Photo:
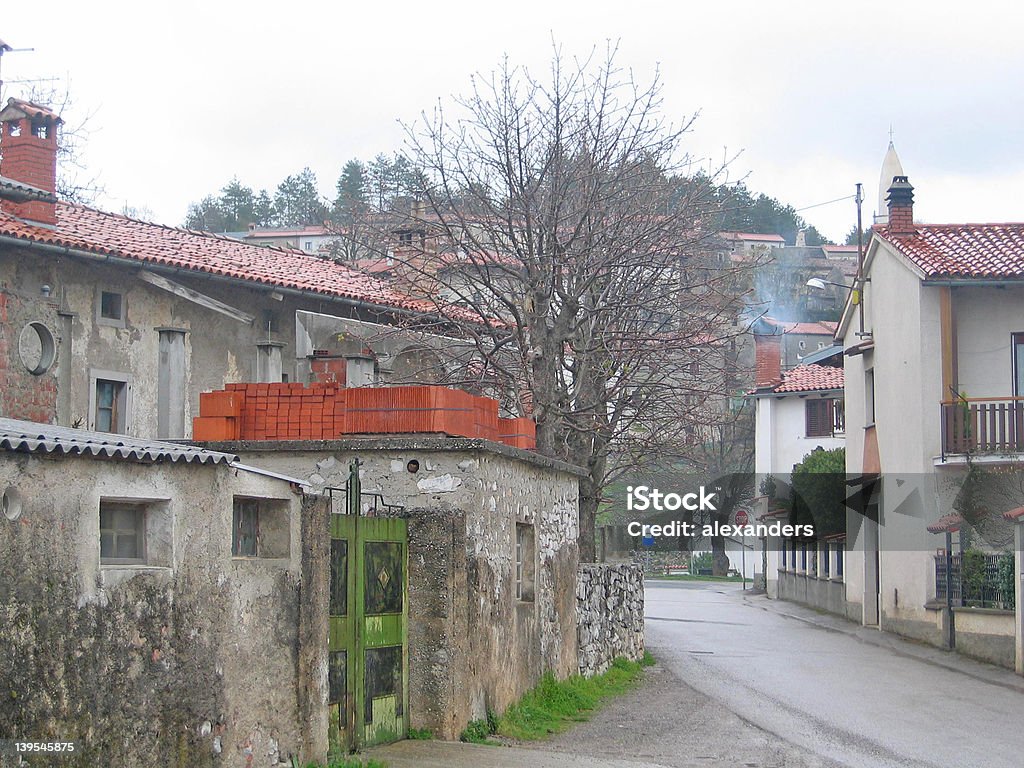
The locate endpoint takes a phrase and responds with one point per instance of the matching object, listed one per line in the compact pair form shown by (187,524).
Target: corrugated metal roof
(32,437)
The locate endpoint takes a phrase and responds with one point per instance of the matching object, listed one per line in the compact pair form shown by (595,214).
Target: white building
(797,412)
(934,346)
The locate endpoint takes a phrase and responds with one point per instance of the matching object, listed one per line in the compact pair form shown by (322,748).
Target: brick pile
(325,411)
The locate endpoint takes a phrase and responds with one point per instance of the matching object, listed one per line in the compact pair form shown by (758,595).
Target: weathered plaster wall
(474,646)
(191,661)
(218,349)
(610,615)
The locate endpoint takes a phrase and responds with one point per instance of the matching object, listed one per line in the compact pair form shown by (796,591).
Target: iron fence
(986,582)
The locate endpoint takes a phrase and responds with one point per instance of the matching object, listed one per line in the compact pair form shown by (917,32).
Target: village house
(419,571)
(117,325)
(152,601)
(933,339)
(798,411)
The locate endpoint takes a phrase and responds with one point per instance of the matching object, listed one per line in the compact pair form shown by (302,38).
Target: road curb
(950,660)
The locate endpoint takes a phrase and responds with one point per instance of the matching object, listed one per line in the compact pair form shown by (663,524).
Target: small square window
(111,306)
(245,529)
(122,533)
(260,528)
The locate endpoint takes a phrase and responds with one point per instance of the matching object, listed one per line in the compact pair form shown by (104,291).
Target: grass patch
(345,762)
(421,734)
(480,731)
(553,705)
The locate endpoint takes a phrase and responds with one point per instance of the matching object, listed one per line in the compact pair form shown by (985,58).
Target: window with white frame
(824,417)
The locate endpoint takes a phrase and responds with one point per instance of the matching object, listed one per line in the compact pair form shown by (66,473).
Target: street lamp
(818,284)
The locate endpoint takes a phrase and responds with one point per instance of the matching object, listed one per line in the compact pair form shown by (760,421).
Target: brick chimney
(901,207)
(28,155)
(767,360)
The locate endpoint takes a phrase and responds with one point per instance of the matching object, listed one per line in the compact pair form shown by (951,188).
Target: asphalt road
(828,690)
(756,683)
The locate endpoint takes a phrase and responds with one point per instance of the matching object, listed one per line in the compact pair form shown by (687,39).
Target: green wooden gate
(368,665)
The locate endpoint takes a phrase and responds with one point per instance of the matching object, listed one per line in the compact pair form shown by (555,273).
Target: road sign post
(742,518)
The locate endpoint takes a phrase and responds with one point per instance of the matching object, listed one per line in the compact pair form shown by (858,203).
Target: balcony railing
(983,425)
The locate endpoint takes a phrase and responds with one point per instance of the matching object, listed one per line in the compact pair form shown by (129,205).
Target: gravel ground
(667,722)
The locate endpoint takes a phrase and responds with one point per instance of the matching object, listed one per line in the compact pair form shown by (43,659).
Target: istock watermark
(643,498)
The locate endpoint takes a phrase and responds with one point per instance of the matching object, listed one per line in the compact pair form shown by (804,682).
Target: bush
(819,491)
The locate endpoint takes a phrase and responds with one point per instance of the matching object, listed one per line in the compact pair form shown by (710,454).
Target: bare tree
(557,212)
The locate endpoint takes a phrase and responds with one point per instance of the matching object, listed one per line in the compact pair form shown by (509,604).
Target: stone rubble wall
(609,615)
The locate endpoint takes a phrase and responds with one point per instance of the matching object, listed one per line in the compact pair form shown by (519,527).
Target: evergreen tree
(237,203)
(207,215)
(297,202)
(352,189)
(263,210)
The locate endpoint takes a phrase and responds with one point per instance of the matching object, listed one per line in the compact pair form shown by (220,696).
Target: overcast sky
(186,95)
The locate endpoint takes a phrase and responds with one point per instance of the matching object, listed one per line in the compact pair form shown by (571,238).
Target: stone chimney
(767,360)
(901,207)
(28,155)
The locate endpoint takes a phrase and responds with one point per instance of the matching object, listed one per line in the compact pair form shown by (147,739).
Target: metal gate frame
(358,639)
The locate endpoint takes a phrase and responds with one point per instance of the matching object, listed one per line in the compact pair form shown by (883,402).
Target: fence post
(951,620)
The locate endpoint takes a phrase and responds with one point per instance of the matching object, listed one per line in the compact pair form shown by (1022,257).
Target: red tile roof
(87,229)
(823,328)
(963,250)
(1014,514)
(756,237)
(950,523)
(808,378)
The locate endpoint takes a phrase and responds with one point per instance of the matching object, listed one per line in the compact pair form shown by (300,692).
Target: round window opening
(37,348)
(10,503)
(413,466)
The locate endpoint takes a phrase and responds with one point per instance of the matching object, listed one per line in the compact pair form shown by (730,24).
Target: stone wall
(474,644)
(609,614)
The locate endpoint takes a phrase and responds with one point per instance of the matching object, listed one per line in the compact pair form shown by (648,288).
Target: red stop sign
(741,517)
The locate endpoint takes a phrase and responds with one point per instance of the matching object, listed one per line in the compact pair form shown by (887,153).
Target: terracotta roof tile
(822,328)
(755,236)
(87,229)
(807,378)
(963,250)
(950,523)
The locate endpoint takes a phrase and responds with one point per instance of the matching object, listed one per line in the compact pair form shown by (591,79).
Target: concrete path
(745,681)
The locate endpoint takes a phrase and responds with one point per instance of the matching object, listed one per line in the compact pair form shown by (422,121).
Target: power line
(827,202)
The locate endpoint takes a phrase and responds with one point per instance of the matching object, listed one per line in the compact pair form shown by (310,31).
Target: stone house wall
(190,659)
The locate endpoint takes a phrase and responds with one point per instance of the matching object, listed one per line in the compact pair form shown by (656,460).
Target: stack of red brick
(326,411)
